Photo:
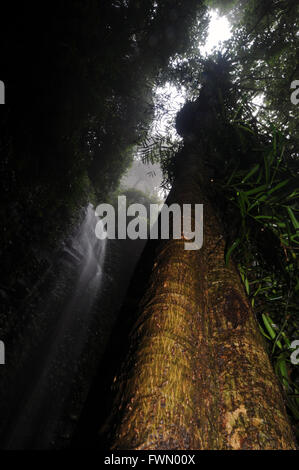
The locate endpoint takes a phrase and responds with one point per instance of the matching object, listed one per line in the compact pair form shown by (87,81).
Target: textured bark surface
(197,375)
(159,384)
(240,401)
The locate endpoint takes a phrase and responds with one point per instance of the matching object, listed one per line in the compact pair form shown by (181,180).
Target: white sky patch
(219,31)
(172,100)
(257,102)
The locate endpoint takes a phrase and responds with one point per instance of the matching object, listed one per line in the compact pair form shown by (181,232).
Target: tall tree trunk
(240,401)
(197,375)
(158,383)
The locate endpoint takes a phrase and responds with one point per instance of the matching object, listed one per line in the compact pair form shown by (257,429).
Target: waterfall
(44,377)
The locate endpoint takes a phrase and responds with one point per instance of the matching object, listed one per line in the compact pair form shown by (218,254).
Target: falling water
(45,376)
(63,332)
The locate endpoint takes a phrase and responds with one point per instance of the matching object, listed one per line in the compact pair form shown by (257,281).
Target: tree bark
(158,382)
(240,401)
(197,375)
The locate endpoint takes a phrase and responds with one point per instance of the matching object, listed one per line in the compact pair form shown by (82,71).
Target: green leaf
(247,286)
(246,129)
(278,186)
(260,189)
(242,203)
(268,324)
(293,218)
(231,249)
(263,332)
(282,368)
(251,173)
(231,176)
